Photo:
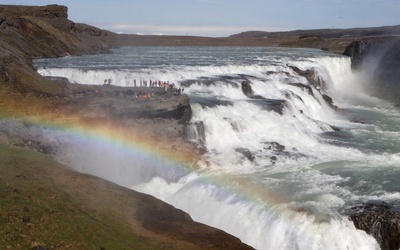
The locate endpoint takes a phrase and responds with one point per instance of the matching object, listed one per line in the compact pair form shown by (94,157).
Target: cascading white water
(279,168)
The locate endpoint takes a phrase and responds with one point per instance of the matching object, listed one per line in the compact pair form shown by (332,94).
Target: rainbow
(100,131)
(129,139)
(126,139)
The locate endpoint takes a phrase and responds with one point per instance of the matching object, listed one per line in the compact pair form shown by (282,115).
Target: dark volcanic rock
(248,91)
(379,60)
(275,105)
(304,87)
(28,32)
(359,50)
(316,81)
(246,153)
(246,88)
(312,77)
(105,101)
(267,104)
(275,146)
(49,11)
(329,100)
(45,31)
(380,220)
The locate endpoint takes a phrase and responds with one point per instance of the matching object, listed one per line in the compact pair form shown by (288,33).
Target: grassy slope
(56,217)
(45,204)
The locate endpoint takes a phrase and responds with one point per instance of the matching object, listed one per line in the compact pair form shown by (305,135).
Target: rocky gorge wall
(29,32)
(378,58)
(46,31)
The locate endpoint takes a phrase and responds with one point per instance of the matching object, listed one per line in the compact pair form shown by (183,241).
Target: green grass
(56,220)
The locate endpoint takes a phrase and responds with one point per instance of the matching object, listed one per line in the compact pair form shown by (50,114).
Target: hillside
(326,33)
(334,40)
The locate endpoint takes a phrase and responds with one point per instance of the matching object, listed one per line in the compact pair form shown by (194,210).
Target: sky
(220,18)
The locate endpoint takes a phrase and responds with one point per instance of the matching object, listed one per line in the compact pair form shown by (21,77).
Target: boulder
(380,220)
(246,153)
(329,100)
(304,87)
(246,88)
(312,77)
(248,91)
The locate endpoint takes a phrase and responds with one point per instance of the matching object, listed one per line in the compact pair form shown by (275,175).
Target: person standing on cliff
(165,87)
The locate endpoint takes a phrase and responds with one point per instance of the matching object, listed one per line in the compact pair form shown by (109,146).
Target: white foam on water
(269,177)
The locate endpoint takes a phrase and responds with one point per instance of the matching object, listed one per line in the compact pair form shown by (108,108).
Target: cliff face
(379,60)
(28,32)
(380,220)
(46,32)
(360,50)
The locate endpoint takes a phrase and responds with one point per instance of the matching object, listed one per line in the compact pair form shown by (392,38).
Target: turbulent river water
(280,166)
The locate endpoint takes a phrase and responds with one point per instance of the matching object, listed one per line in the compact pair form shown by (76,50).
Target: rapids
(280,166)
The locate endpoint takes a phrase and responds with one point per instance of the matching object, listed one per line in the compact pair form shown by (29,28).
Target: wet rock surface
(115,102)
(312,77)
(380,220)
(379,59)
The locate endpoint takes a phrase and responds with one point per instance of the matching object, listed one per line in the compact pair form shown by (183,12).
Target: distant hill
(334,40)
(325,33)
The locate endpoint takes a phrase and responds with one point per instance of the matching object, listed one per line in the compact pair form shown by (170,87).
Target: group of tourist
(142,97)
(145,96)
(144,83)
(168,87)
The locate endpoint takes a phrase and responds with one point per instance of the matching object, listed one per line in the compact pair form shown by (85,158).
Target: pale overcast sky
(217,18)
